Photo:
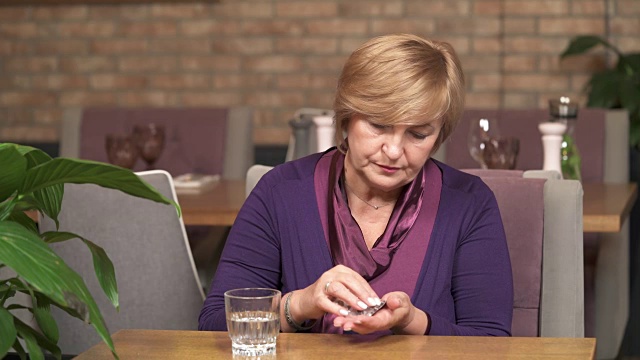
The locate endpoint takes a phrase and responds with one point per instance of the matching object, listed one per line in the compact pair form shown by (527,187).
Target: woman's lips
(388,169)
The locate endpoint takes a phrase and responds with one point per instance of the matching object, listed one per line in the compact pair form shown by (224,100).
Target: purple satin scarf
(346,242)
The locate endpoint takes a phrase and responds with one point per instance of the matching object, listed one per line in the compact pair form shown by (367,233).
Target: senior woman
(376,219)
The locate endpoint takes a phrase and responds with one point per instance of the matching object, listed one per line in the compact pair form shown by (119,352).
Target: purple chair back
(194,137)
(523,124)
(521,203)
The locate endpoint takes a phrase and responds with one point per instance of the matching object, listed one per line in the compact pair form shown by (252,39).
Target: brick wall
(278,55)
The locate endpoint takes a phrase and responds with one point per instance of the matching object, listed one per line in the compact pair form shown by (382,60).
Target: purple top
(277,241)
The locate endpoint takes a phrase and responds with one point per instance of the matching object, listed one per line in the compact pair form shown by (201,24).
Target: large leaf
(6,208)
(41,341)
(105,272)
(35,353)
(583,43)
(7,331)
(18,348)
(46,322)
(45,271)
(23,219)
(61,170)
(604,89)
(13,167)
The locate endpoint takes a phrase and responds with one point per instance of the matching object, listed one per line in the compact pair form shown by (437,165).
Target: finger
(358,286)
(338,290)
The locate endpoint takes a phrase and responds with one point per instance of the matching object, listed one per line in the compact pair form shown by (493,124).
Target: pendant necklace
(376,207)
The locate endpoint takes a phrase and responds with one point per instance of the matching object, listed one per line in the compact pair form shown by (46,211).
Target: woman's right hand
(339,282)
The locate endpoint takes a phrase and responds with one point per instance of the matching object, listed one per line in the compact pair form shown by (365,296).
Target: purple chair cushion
(521,203)
(523,124)
(194,137)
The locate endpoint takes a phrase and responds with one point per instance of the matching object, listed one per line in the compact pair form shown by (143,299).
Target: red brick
(487,45)
(60,12)
(14,13)
(241,45)
(180,81)
(246,81)
(536,7)
(273,27)
(461,44)
(534,45)
(29,134)
(47,116)
(625,26)
(274,63)
(271,135)
(83,64)
(592,62)
(482,100)
(480,62)
(59,82)
(350,44)
(180,46)
(519,26)
(336,27)
(61,47)
(371,8)
(180,11)
(437,8)
(209,27)
(13,116)
(320,99)
(117,81)
(153,29)
(627,43)
(307,45)
(23,30)
(578,82)
(520,63)
(519,101)
(129,12)
(535,82)
(119,46)
(488,7)
(242,9)
(210,63)
(332,64)
(85,99)
(10,47)
(588,7)
(310,9)
(32,98)
(31,64)
(85,29)
(265,117)
(274,99)
(571,26)
(413,26)
(484,82)
(211,98)
(148,64)
(627,7)
(146,98)
(307,81)
(15,82)
(476,25)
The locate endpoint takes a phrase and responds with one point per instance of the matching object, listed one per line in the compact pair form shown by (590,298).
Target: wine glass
(480,132)
(121,150)
(149,139)
(501,153)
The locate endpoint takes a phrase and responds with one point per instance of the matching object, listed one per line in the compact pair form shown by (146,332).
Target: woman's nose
(393,146)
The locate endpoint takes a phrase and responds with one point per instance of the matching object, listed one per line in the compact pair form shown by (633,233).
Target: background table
(171,344)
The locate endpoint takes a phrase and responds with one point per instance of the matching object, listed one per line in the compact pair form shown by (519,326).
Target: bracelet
(287,316)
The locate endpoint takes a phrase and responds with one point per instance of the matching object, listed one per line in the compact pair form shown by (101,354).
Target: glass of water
(253,320)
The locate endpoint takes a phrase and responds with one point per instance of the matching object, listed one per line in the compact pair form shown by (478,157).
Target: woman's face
(387,157)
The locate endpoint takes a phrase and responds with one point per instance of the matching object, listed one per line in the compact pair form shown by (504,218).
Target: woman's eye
(379,126)
(417,135)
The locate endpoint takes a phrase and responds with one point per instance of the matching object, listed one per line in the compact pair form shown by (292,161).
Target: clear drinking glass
(480,132)
(121,150)
(253,320)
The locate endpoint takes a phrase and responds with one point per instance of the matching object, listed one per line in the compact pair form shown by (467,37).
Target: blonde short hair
(396,78)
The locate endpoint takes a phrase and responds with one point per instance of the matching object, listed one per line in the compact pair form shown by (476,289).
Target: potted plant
(31,180)
(616,87)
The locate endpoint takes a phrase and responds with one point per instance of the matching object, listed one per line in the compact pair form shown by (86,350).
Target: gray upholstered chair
(203,140)
(542,215)
(543,223)
(157,282)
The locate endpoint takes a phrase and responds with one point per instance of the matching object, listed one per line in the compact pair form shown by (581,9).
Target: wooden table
(606,206)
(171,344)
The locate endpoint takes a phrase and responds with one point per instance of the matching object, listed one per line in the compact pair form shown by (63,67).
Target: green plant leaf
(61,170)
(33,260)
(23,219)
(105,272)
(583,43)
(35,353)
(630,95)
(603,89)
(7,331)
(51,237)
(13,167)
(6,208)
(19,349)
(41,341)
(46,322)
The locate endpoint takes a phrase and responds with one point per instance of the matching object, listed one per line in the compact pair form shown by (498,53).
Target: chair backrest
(254,174)
(200,140)
(157,282)
(601,134)
(542,216)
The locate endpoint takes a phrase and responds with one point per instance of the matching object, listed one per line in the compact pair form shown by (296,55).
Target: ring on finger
(326,287)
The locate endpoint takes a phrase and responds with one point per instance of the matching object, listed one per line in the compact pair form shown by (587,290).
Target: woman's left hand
(398,314)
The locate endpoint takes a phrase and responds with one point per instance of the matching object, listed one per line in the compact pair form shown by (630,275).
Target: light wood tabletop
(606,206)
(172,344)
